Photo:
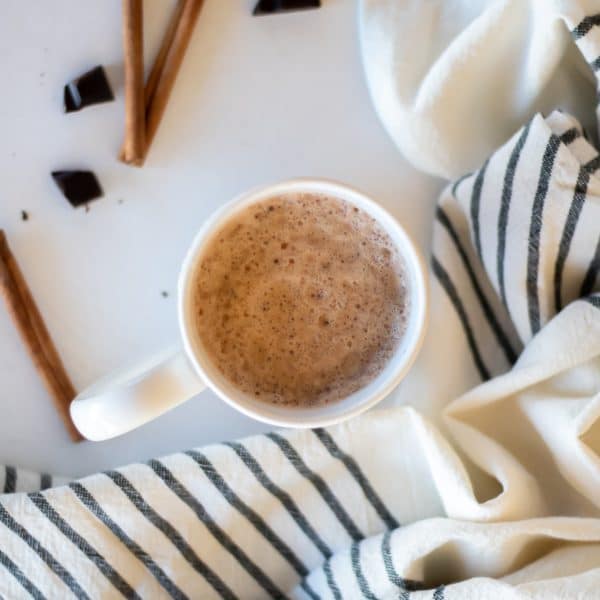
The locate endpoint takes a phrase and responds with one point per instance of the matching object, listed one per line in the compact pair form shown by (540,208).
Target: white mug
(123,401)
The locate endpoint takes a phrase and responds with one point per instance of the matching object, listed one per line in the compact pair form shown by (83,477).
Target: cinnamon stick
(174,58)
(166,66)
(135,127)
(158,65)
(35,336)
(161,57)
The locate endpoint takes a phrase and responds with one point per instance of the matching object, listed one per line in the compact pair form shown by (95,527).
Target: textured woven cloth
(453,79)
(496,495)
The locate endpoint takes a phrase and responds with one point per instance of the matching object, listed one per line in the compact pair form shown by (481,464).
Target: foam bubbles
(300,299)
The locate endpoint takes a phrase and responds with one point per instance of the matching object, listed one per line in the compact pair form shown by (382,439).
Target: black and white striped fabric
(499,499)
(518,240)
(20,480)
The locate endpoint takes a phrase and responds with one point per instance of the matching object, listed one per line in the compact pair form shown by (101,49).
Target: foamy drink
(300,299)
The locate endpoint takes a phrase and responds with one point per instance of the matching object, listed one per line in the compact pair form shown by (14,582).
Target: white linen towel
(500,499)
(453,79)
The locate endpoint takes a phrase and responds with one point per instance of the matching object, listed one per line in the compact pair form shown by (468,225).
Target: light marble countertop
(257,100)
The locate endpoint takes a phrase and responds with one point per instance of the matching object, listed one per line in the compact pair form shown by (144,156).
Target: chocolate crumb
(78,187)
(91,88)
(267,7)
(24,215)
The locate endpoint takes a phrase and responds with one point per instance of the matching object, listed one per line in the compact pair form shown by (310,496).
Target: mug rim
(407,250)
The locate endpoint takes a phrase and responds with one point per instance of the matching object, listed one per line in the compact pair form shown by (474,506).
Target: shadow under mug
(125,400)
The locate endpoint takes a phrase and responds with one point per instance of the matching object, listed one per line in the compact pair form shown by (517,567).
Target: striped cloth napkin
(498,496)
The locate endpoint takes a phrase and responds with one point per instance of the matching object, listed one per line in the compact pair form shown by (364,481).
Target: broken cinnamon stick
(35,336)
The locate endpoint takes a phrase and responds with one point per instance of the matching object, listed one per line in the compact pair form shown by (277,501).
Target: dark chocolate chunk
(78,187)
(24,215)
(267,7)
(91,88)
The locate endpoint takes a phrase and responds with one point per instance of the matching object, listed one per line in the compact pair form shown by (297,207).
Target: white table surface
(257,100)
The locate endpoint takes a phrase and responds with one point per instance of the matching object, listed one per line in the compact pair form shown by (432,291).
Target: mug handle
(125,400)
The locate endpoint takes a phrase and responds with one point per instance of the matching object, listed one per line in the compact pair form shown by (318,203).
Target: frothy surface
(300,299)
